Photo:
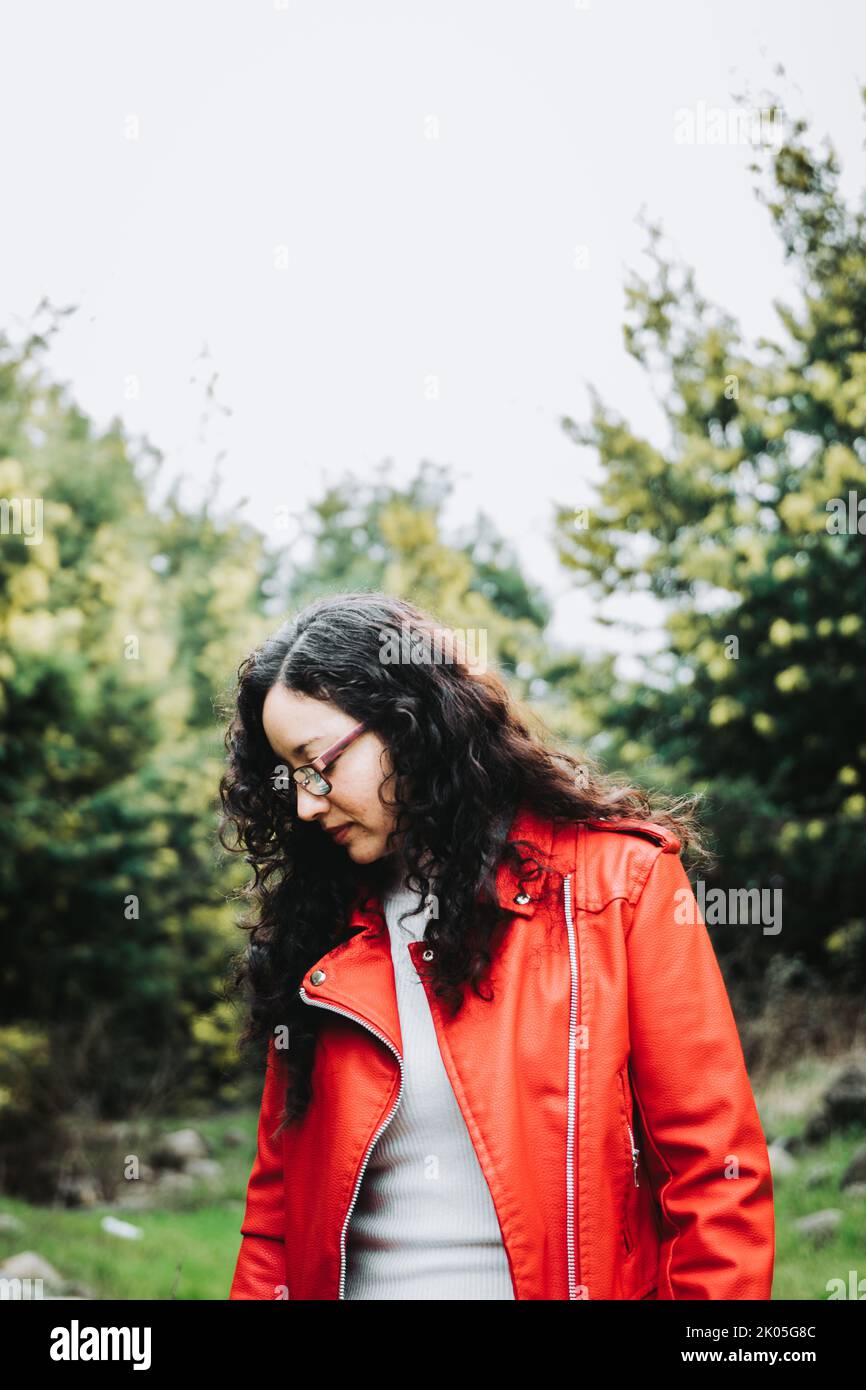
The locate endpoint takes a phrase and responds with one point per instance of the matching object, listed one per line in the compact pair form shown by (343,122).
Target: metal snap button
(428,954)
(317,977)
(521,897)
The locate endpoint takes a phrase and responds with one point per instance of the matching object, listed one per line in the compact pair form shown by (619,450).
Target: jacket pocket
(632,1179)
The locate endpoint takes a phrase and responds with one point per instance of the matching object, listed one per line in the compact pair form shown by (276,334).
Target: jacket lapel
(357,976)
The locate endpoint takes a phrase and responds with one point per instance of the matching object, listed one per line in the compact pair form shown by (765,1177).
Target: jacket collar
(356,976)
(519,899)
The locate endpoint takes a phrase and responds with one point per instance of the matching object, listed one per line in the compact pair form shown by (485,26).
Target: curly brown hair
(464,761)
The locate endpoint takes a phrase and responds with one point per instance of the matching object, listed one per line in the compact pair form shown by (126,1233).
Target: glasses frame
(301,775)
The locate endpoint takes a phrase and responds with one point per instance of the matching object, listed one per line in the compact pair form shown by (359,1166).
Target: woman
(533,1087)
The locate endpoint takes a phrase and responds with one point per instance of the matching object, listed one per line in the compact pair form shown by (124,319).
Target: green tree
(119,626)
(758,695)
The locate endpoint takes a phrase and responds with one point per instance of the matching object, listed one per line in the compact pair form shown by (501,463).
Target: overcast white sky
(345,198)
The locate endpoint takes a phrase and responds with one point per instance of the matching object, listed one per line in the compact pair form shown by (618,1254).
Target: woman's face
(292,720)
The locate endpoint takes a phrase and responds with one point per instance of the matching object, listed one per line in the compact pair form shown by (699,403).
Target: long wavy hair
(464,761)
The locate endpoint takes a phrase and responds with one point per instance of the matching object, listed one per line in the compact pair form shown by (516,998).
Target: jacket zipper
(320,1004)
(634,1151)
(569,1150)
(626,1231)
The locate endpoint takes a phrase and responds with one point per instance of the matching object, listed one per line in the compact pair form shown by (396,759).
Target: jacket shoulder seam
(643,869)
(645,855)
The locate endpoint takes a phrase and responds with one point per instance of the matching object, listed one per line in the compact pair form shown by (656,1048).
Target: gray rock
(856,1170)
(819,1226)
(817,1129)
(178,1148)
(78,1190)
(174,1182)
(845,1097)
(205,1170)
(124,1230)
(782,1165)
(825,1172)
(146,1173)
(28,1265)
(788,1142)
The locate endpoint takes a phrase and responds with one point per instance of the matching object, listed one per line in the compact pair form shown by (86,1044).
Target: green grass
(191,1241)
(785,1103)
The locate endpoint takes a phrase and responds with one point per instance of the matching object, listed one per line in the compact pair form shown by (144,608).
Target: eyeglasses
(310,777)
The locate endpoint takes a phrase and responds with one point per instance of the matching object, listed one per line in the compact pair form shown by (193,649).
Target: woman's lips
(340,835)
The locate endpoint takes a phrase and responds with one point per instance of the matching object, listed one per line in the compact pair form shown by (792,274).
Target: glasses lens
(311,781)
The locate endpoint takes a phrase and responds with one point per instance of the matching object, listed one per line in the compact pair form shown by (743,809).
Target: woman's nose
(309,805)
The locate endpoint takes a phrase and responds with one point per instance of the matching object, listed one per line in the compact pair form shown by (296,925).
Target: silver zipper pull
(634,1154)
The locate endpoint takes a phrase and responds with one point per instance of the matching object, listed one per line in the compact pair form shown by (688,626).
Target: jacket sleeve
(260,1271)
(705,1149)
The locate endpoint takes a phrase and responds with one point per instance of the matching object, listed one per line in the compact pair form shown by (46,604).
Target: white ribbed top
(424,1225)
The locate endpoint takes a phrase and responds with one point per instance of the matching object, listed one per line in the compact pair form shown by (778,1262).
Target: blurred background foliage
(122,630)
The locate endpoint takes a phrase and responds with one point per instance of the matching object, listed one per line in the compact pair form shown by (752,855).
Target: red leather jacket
(604,1089)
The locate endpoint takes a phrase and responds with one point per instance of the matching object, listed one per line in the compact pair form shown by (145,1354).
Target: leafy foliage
(758,694)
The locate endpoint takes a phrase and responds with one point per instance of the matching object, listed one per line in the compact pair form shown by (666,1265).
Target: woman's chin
(364,849)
